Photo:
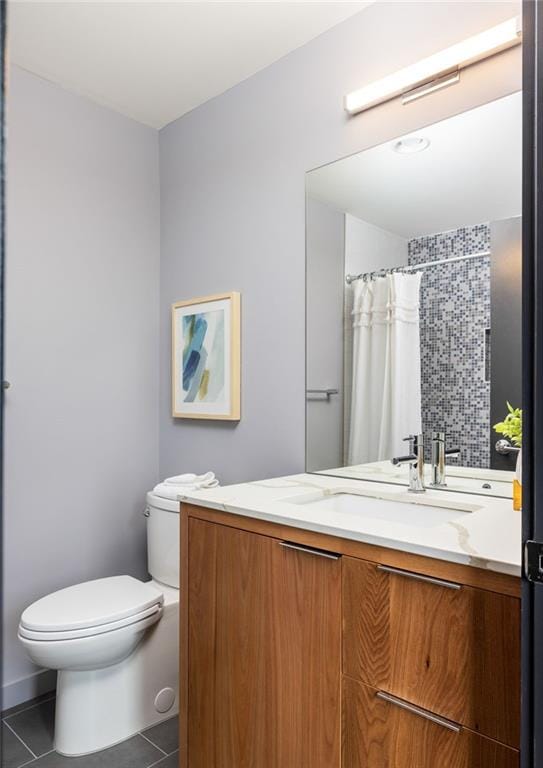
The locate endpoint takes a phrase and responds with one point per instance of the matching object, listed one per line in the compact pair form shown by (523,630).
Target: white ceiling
(155,61)
(470,173)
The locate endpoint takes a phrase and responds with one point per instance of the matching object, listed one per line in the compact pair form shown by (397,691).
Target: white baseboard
(27,688)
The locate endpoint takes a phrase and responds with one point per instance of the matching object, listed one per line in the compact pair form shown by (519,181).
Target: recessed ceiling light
(411,145)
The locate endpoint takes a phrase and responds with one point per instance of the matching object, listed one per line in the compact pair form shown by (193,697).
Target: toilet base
(99,708)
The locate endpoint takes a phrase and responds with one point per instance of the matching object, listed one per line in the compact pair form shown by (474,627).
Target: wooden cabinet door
(264,652)
(452,650)
(382,734)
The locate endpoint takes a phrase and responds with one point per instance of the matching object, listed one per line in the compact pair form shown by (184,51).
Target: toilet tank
(163,539)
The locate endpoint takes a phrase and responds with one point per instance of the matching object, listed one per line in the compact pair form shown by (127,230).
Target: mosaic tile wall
(455,317)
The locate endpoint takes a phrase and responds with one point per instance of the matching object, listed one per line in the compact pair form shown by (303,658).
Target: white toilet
(114,642)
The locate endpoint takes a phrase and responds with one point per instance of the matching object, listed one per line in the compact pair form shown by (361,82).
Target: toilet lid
(142,619)
(91,604)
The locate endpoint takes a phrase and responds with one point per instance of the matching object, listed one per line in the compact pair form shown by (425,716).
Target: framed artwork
(206,358)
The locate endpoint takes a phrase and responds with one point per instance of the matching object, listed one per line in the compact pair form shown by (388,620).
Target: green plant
(511,426)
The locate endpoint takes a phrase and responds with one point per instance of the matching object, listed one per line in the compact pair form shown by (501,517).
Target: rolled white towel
(198,486)
(191,479)
(173,491)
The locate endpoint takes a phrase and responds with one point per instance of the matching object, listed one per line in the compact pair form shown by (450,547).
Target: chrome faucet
(439,454)
(415,459)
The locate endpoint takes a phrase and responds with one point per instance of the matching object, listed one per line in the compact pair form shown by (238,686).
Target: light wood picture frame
(206,361)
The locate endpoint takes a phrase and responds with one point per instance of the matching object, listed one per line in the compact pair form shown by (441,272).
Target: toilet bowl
(114,642)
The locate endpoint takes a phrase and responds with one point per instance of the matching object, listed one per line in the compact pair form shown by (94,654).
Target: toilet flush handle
(146,512)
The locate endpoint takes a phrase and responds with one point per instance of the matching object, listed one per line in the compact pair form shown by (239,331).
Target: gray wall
(233,208)
(81,440)
(325,281)
(368,247)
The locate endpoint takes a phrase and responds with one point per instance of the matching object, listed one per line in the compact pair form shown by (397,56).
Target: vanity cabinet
(300,650)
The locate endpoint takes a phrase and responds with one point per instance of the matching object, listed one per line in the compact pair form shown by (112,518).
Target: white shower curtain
(386,385)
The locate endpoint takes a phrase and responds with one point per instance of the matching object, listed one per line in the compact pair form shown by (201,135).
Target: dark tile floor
(27,739)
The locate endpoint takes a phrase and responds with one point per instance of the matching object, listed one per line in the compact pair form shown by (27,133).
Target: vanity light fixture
(411,145)
(437,71)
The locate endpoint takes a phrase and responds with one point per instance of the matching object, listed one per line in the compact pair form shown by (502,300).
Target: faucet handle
(412,440)
(440,437)
(415,442)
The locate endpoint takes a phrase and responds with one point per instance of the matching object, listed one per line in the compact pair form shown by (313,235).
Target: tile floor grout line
(162,758)
(22,742)
(29,762)
(26,709)
(153,744)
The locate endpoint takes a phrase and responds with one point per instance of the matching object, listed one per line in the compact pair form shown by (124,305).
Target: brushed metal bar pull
(419,577)
(418,711)
(310,550)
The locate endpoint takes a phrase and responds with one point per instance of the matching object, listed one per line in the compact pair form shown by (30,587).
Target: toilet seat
(74,634)
(91,608)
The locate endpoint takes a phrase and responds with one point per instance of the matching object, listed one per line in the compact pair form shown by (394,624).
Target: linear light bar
(491,41)
(433,85)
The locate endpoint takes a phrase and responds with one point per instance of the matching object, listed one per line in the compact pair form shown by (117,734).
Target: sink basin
(408,509)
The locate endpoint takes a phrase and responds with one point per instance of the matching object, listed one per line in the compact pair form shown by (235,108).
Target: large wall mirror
(414,303)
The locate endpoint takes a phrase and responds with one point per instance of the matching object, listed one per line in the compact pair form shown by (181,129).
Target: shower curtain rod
(413,267)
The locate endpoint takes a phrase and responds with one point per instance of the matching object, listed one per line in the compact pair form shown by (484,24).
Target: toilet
(114,642)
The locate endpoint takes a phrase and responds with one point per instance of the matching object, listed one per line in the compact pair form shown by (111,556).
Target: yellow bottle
(517,485)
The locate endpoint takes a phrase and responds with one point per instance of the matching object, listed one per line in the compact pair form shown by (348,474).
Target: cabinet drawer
(381,734)
(450,649)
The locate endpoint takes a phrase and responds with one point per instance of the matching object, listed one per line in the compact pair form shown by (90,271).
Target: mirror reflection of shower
(413,272)
(421,388)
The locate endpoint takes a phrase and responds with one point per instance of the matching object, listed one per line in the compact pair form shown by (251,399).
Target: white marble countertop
(489,537)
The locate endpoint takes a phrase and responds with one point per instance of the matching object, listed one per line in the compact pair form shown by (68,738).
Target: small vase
(517,484)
